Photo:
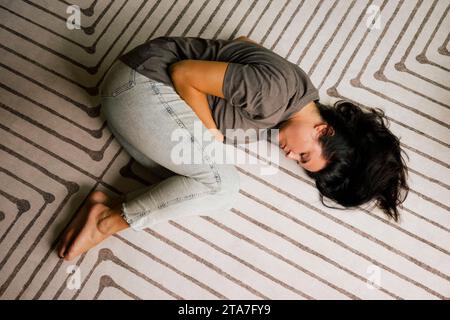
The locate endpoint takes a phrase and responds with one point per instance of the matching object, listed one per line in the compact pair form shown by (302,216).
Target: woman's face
(300,142)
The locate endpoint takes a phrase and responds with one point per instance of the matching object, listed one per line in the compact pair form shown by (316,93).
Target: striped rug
(279,241)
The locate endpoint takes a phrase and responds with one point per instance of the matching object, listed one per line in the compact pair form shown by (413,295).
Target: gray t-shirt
(261,88)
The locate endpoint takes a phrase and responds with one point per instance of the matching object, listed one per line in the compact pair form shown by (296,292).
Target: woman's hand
(220,137)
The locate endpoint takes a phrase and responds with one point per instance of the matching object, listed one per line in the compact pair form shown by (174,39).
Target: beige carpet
(278,242)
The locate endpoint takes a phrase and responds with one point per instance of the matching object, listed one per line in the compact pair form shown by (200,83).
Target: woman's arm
(194,80)
(198,101)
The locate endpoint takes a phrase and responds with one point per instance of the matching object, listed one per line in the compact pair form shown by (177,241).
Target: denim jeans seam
(127,86)
(140,214)
(124,87)
(180,123)
(124,215)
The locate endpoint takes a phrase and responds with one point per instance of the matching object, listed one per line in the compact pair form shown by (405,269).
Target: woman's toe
(98,197)
(69,255)
(63,243)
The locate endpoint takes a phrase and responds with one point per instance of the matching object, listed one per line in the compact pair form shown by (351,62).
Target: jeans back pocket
(119,78)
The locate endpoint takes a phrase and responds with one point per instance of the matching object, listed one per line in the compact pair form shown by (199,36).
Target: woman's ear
(329,130)
(324,129)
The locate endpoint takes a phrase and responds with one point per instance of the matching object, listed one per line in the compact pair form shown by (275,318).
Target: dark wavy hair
(364,159)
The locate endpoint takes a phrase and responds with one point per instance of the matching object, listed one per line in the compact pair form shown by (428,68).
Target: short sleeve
(259,90)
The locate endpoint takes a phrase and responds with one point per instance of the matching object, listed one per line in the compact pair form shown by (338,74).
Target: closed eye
(303,160)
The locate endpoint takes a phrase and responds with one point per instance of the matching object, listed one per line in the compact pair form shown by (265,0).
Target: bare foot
(90,233)
(80,220)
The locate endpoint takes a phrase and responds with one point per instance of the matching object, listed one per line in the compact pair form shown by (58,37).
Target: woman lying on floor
(177,83)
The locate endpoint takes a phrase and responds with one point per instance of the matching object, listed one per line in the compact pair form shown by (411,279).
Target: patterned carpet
(279,241)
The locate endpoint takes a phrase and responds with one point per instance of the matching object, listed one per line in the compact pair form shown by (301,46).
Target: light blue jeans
(142,114)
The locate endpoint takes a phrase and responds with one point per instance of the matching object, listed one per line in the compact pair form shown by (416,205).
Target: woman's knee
(229,185)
